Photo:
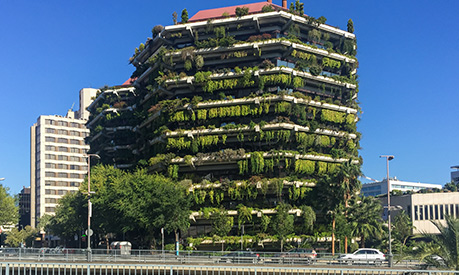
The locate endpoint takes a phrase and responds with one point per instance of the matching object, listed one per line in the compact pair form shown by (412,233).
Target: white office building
(58,162)
(380,187)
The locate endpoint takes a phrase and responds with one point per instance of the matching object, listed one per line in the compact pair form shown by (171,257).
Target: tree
(157,30)
(282,223)
(222,224)
(71,215)
(308,218)
(242,11)
(184,16)
(445,244)
(451,186)
(364,217)
(174,17)
(17,237)
(402,229)
(350,26)
(8,211)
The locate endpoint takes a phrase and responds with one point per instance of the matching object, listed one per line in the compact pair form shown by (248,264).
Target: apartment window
(426,212)
(62,132)
(50,200)
(416,217)
(62,166)
(50,165)
(74,125)
(75,159)
(62,157)
(446,209)
(50,183)
(436,212)
(75,176)
(408,210)
(49,122)
(50,174)
(62,140)
(50,139)
(75,142)
(74,167)
(63,149)
(49,130)
(50,209)
(62,175)
(74,133)
(441,212)
(74,184)
(50,156)
(451,210)
(61,192)
(431,212)
(74,150)
(421,212)
(50,148)
(62,123)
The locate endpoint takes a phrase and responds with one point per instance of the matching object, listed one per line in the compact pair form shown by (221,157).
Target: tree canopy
(8,210)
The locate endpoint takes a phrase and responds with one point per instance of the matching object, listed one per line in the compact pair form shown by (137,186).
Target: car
(9,252)
(240,257)
(298,255)
(363,255)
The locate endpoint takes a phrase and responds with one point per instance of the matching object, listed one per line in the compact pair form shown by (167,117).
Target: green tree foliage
(402,230)
(222,223)
(8,210)
(136,203)
(242,11)
(156,30)
(451,186)
(184,16)
(308,217)
(445,244)
(15,237)
(364,217)
(350,26)
(282,223)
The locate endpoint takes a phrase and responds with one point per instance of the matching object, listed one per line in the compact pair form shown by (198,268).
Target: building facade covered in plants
(249,106)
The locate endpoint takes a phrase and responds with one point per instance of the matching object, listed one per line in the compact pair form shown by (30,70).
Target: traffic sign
(90,232)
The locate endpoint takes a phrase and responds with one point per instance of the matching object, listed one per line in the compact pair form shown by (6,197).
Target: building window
(49,122)
(77,159)
(74,184)
(62,123)
(74,125)
(421,212)
(62,157)
(50,174)
(62,132)
(431,212)
(436,212)
(75,142)
(50,165)
(441,212)
(50,156)
(62,175)
(49,209)
(63,149)
(74,167)
(63,140)
(75,176)
(426,212)
(50,139)
(49,131)
(50,148)
(74,150)
(451,210)
(74,133)
(416,217)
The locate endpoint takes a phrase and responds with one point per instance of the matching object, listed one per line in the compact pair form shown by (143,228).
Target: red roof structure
(129,82)
(218,13)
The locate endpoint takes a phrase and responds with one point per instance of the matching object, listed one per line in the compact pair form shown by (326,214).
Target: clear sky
(408,53)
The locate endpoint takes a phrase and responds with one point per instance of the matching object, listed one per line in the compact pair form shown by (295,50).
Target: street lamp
(89,203)
(388,158)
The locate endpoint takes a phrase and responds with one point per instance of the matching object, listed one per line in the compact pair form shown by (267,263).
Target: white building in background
(380,187)
(455,174)
(58,162)
(423,208)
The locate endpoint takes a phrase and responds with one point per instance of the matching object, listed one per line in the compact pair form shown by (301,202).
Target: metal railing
(189,257)
(15,268)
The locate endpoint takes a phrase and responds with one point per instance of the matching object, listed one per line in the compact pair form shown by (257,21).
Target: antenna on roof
(71,108)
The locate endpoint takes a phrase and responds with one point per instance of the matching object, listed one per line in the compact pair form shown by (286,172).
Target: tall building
(58,157)
(455,174)
(24,207)
(250,105)
(378,188)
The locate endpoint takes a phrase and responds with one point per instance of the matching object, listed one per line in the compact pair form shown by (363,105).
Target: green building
(249,105)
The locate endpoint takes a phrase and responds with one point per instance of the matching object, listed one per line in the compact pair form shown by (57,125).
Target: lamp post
(388,158)
(89,203)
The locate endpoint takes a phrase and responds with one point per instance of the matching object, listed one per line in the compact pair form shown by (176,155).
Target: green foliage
(364,218)
(402,229)
(327,62)
(242,11)
(199,62)
(184,16)
(9,211)
(172,171)
(314,35)
(222,223)
(332,116)
(188,65)
(157,30)
(15,237)
(267,8)
(350,26)
(304,166)
(308,218)
(244,215)
(282,222)
(257,162)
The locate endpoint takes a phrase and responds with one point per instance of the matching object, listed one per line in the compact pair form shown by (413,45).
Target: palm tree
(445,244)
(364,218)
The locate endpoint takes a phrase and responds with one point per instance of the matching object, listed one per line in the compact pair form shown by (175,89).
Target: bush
(156,30)
(242,11)
(188,65)
(267,8)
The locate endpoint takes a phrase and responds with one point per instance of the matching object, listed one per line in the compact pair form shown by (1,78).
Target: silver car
(364,255)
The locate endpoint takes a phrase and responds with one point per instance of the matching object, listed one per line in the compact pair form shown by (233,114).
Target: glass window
(50,131)
(49,139)
(421,213)
(75,141)
(63,149)
(426,211)
(74,150)
(416,217)
(431,212)
(441,212)
(436,211)
(49,121)
(62,175)
(62,140)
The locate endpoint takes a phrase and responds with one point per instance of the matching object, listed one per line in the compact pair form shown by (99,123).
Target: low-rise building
(425,208)
(380,187)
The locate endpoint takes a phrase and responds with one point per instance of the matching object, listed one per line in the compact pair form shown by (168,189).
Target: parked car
(298,255)
(240,257)
(364,255)
(7,251)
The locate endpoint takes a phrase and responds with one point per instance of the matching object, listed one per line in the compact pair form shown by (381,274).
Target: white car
(364,255)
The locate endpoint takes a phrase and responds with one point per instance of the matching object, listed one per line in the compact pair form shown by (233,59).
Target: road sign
(90,232)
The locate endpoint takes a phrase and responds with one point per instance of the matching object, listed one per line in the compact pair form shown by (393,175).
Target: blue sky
(407,50)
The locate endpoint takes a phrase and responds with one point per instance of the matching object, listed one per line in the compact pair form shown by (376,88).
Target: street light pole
(388,158)
(89,203)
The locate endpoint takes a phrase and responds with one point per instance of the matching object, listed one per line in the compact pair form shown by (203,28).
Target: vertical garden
(251,110)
